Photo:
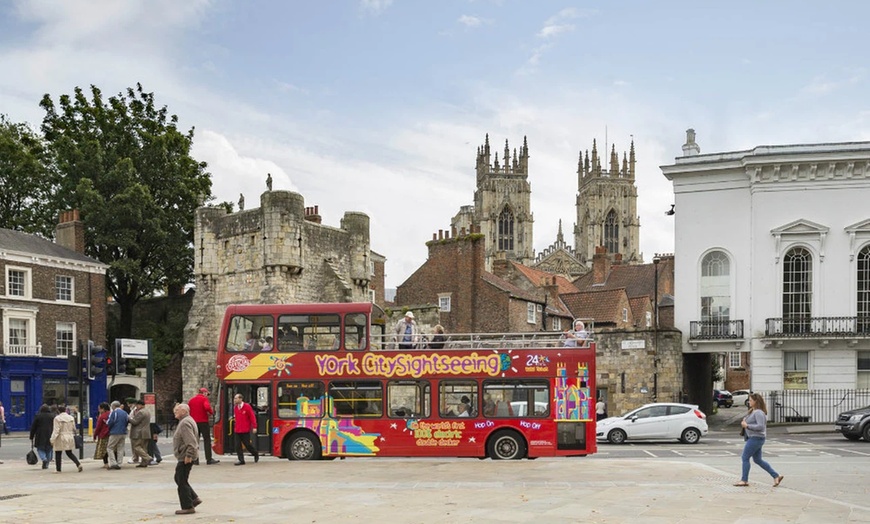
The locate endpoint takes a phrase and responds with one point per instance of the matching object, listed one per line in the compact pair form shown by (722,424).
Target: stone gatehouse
(277,253)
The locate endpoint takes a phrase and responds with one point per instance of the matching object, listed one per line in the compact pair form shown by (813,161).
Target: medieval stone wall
(626,372)
(277,253)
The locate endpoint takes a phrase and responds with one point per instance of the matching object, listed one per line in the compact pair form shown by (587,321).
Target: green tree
(127,167)
(29,183)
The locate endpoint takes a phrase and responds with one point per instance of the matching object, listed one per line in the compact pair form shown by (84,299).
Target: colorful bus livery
(502,396)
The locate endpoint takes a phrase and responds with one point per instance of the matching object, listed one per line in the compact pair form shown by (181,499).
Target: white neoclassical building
(772,258)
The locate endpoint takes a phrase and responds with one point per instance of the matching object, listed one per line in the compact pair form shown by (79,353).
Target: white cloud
(470,21)
(375,6)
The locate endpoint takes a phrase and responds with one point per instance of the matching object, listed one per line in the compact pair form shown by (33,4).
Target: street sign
(633,344)
(133,348)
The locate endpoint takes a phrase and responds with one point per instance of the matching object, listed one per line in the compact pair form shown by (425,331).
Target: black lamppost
(656,259)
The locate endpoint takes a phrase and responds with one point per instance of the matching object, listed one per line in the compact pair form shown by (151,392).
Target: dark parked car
(854,424)
(722,398)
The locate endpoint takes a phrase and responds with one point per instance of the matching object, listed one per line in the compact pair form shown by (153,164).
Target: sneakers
(154,463)
(132,462)
(197,501)
(187,511)
(213,462)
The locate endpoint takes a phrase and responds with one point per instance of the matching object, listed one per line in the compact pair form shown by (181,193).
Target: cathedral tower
(607,207)
(502,204)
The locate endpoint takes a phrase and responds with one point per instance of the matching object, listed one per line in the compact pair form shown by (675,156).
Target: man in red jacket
(245,422)
(200,409)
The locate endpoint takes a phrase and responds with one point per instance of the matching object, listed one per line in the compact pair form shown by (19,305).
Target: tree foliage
(125,164)
(29,183)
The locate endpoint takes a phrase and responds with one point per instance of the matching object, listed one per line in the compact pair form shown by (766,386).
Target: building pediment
(857,232)
(801,229)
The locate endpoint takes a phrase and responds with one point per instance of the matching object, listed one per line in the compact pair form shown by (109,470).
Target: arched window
(864,290)
(506,230)
(611,232)
(716,294)
(797,290)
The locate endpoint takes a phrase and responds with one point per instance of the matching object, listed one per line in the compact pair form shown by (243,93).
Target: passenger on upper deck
(406,332)
(578,337)
(438,339)
(267,346)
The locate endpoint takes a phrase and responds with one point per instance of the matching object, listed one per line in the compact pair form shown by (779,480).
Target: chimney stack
(312,214)
(70,231)
(600,266)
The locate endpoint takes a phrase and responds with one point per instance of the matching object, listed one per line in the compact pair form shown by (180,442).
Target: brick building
(52,296)
(471,299)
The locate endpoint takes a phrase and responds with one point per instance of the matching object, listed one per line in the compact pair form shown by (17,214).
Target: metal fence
(813,406)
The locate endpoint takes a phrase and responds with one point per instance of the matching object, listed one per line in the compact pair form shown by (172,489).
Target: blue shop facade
(26,383)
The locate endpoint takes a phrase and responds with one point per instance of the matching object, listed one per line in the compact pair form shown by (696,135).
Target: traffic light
(95,358)
(111,368)
(74,363)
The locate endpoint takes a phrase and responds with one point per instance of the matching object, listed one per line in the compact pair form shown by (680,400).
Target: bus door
(259,397)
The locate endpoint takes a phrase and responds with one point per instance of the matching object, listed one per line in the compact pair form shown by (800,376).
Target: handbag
(79,442)
(31,455)
(742,432)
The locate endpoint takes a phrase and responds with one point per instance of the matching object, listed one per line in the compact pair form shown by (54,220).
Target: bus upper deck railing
(466,341)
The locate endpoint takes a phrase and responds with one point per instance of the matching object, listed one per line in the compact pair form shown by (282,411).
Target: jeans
(44,453)
(752,449)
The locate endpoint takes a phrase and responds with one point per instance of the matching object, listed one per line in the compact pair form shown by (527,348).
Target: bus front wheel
(506,445)
(302,446)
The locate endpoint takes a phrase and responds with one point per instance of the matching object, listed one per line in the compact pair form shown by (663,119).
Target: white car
(660,421)
(741,397)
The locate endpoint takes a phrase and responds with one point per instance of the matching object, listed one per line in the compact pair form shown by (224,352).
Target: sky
(379,106)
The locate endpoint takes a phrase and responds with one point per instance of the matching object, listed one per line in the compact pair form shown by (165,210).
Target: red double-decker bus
(327,380)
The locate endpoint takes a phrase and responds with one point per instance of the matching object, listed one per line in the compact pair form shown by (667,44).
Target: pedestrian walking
(200,411)
(40,434)
(153,448)
(101,435)
(754,433)
(245,421)
(117,423)
(63,439)
(185,447)
(140,433)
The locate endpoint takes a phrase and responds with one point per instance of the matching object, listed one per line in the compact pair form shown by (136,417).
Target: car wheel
(506,445)
(690,436)
(853,438)
(866,432)
(302,446)
(617,436)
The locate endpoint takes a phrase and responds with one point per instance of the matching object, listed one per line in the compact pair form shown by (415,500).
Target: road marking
(855,452)
(650,454)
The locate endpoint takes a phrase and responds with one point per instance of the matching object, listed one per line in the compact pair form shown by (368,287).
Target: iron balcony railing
(716,330)
(818,327)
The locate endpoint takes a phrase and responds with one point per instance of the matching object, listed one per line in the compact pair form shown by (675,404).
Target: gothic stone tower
(502,205)
(607,207)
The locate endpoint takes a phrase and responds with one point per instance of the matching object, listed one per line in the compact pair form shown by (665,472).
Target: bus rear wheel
(302,446)
(506,445)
